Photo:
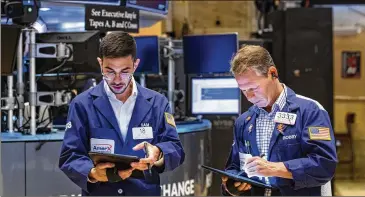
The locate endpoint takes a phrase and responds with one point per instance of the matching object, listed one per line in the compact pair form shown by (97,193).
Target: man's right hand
(98,173)
(239,186)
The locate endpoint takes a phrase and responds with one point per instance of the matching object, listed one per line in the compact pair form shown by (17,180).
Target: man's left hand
(153,155)
(257,166)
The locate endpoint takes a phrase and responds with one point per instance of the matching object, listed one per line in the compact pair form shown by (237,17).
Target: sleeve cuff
(91,180)
(160,163)
(297,170)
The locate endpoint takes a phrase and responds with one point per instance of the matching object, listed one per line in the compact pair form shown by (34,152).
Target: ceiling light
(44,9)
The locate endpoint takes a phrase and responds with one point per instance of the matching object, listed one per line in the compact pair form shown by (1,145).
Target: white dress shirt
(123,111)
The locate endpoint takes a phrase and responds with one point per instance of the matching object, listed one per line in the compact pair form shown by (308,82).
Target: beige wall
(235,16)
(353,89)
(201,17)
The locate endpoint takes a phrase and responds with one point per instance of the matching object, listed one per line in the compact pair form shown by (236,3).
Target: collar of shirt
(111,95)
(279,103)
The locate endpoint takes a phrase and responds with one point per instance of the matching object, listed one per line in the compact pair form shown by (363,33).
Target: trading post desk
(30,164)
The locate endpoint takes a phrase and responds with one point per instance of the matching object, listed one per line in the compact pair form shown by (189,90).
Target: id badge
(142,133)
(285,118)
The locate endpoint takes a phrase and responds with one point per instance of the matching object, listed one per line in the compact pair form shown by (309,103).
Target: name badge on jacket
(285,118)
(142,133)
(102,145)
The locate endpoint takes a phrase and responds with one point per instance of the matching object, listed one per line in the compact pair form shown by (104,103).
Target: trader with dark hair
(118,116)
(284,140)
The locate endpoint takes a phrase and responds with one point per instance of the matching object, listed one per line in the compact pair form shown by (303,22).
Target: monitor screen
(149,54)
(9,45)
(209,53)
(157,6)
(215,96)
(85,50)
(95,2)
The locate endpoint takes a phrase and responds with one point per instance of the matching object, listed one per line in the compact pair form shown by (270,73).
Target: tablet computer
(238,178)
(113,158)
(122,162)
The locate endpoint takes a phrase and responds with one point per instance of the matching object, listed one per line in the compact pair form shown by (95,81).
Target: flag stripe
(319,133)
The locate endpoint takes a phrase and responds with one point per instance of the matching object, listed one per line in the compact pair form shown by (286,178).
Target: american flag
(319,133)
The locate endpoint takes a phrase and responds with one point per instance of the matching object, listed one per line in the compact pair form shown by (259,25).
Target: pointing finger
(139,146)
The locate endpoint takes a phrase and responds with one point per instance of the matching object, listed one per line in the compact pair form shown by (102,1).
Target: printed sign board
(111,18)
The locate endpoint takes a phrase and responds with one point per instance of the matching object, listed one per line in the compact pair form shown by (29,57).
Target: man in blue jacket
(284,140)
(118,116)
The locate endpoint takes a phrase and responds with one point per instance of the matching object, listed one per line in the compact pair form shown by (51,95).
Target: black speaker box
(303,52)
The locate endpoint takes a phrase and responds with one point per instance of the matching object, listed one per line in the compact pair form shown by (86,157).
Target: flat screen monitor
(148,51)
(85,50)
(9,45)
(95,2)
(157,6)
(209,53)
(215,96)
(337,2)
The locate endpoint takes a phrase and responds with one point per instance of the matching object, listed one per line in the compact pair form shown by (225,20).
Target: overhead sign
(111,18)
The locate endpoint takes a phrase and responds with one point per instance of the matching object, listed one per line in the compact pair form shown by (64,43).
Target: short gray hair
(252,57)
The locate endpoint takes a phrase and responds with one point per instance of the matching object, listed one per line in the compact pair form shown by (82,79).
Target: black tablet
(238,178)
(122,162)
(113,158)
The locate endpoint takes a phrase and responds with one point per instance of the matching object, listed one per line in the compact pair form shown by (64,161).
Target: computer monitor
(148,51)
(155,6)
(209,53)
(9,45)
(214,96)
(94,2)
(85,50)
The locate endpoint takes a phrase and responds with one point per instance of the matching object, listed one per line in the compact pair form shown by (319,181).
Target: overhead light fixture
(71,25)
(44,9)
(347,30)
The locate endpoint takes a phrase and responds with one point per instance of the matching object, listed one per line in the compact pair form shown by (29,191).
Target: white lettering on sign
(130,16)
(183,188)
(95,12)
(132,25)
(112,18)
(96,24)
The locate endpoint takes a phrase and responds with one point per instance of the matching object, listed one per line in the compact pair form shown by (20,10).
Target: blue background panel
(209,53)
(148,53)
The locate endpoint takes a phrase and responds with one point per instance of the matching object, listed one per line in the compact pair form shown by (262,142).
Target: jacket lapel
(250,130)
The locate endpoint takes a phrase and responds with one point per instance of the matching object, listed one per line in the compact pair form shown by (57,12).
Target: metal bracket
(57,98)
(173,51)
(49,50)
(8,103)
